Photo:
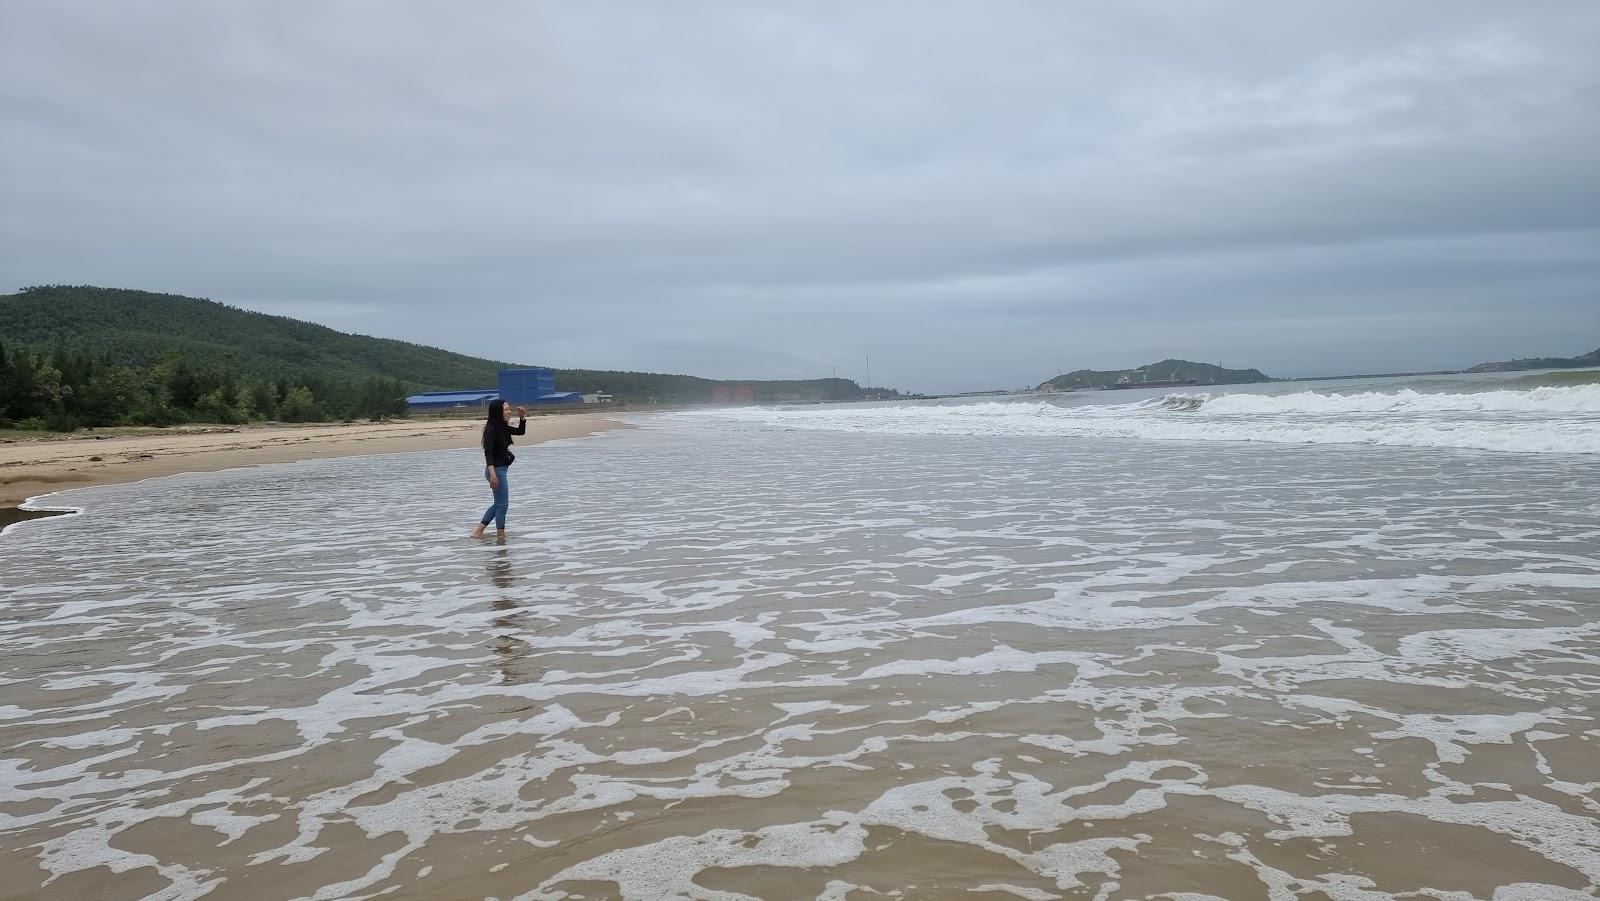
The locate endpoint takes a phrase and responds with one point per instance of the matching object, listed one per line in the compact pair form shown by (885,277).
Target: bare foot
(500,536)
(477,531)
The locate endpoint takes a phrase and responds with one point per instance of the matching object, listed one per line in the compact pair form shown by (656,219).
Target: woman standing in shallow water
(497,460)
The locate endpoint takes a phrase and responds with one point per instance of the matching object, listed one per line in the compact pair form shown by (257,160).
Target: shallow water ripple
(723,663)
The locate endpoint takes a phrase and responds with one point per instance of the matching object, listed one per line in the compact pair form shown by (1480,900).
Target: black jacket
(497,442)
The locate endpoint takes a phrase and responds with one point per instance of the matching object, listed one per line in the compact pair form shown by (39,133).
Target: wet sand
(11,515)
(723,663)
(31,467)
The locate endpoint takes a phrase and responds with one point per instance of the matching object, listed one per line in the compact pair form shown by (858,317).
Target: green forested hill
(137,328)
(1204,373)
(81,330)
(659,387)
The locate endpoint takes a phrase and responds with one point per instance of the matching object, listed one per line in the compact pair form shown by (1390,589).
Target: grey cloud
(773,190)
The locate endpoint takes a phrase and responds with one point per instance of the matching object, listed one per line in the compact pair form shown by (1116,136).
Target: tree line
(65,389)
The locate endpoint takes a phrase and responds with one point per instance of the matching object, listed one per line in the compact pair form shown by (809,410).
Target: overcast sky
(975,194)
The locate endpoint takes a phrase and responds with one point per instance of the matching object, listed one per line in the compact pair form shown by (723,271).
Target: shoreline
(33,468)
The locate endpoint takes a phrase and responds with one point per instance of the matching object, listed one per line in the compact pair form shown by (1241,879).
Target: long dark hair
(496,422)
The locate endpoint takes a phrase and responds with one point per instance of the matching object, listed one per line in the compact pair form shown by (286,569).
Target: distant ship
(1127,382)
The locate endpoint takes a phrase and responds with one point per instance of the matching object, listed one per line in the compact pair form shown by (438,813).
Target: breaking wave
(1577,400)
(1558,420)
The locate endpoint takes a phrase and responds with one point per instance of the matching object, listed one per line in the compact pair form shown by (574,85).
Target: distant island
(75,356)
(1592,358)
(1166,372)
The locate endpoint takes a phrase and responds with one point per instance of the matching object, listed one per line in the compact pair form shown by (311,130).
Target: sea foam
(720,660)
(1539,420)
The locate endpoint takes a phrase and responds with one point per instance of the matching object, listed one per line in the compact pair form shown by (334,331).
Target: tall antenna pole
(869,371)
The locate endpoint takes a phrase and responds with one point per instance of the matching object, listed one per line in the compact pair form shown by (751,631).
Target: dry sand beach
(35,466)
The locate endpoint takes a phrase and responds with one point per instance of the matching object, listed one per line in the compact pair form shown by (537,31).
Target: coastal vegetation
(74,356)
(69,388)
(1166,370)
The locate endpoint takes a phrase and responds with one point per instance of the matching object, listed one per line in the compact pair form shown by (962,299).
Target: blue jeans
(502,498)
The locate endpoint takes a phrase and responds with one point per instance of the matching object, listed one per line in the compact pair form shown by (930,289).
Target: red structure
(733,394)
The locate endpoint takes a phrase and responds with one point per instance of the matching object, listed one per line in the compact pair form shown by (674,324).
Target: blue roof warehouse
(525,387)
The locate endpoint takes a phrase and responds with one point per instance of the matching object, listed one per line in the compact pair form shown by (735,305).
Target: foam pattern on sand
(759,663)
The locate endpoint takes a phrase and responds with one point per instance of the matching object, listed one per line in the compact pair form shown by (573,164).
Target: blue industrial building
(524,387)
(440,401)
(528,387)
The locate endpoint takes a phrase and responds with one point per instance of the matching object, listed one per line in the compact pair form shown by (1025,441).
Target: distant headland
(1592,358)
(1154,375)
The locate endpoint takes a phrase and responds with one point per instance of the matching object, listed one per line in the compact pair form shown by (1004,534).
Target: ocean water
(1498,412)
(1314,641)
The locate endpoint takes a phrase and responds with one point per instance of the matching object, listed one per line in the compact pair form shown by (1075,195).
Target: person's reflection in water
(500,576)
(510,650)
